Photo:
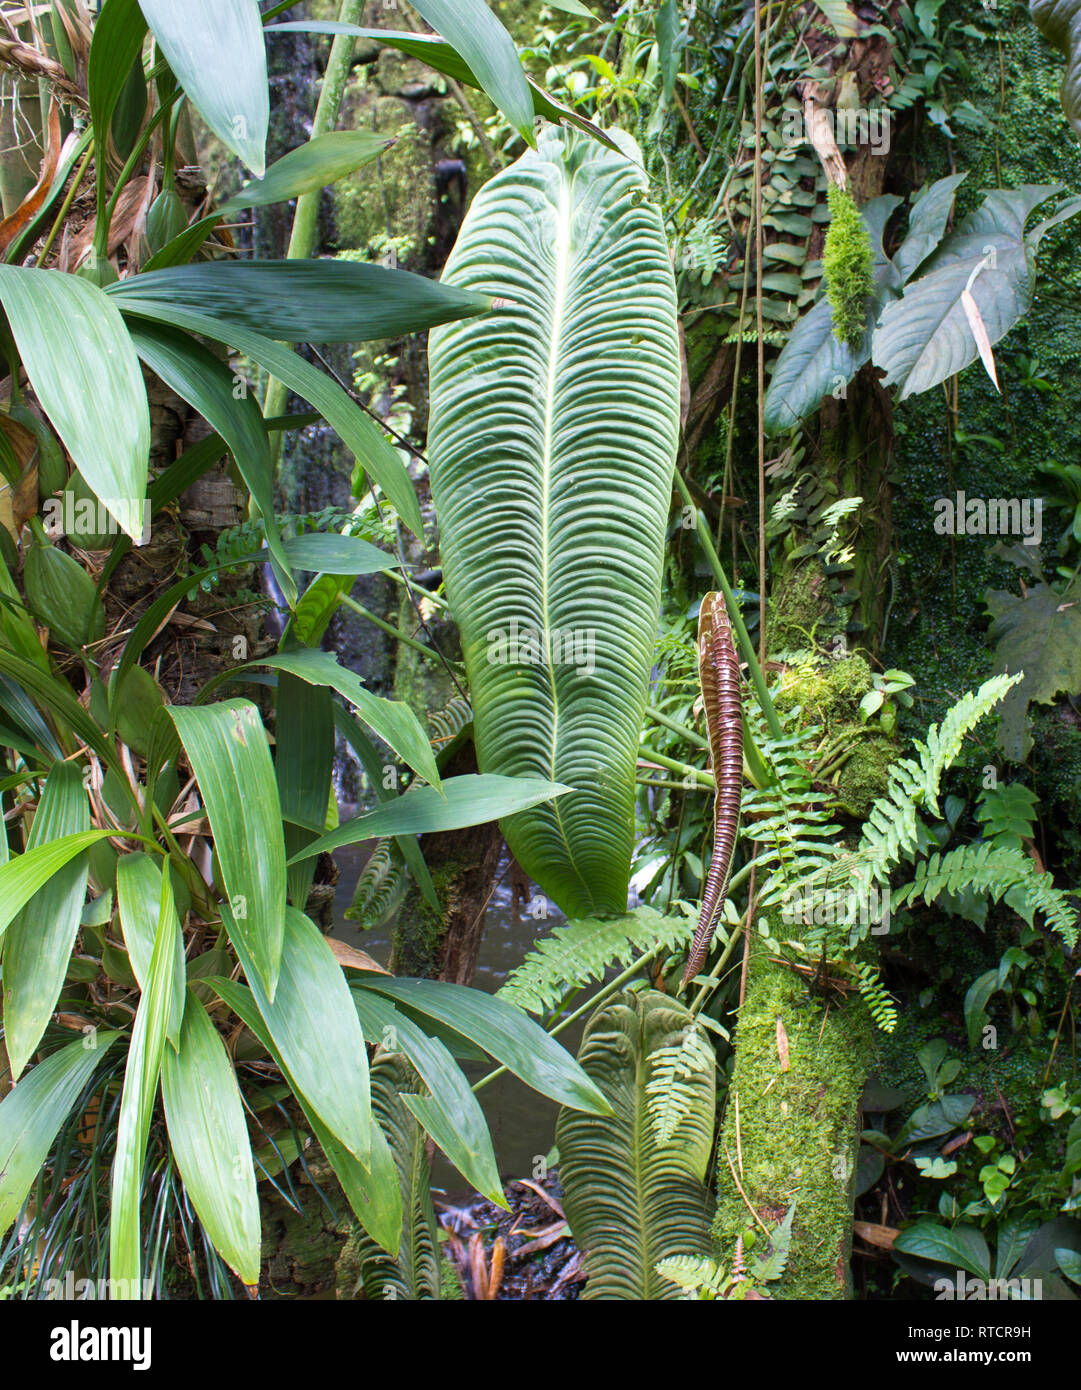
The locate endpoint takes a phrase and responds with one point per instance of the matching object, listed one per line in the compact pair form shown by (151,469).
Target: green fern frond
(672,1095)
(583,951)
(698,1276)
(891,832)
(879,1003)
(993,869)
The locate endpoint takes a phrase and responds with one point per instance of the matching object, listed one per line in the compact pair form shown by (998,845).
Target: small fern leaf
(583,951)
(675,1081)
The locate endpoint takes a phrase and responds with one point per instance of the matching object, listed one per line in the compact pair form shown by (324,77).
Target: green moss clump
(828,692)
(847,264)
(798,603)
(864,777)
(795,1135)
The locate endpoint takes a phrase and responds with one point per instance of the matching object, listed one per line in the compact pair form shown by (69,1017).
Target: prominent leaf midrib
(555,347)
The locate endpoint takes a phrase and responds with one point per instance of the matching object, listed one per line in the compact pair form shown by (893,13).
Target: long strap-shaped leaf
(554,428)
(718,667)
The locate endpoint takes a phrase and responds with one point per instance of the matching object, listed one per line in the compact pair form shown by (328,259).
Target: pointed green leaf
(393,722)
(227,748)
(372,1192)
(39,941)
(137,1100)
(304,764)
(206,383)
(444,58)
(451,1113)
(32,1113)
(26,874)
(925,337)
(82,365)
(209,1140)
(307,169)
(315,1029)
(371,446)
(218,54)
(321,301)
(138,896)
(503,1031)
(469,800)
(471,28)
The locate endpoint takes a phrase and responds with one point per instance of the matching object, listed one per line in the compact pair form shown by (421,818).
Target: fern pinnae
(670,1092)
(720,677)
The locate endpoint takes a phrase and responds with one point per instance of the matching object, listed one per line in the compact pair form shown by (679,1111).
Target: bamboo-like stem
(649,755)
(667,722)
(306,216)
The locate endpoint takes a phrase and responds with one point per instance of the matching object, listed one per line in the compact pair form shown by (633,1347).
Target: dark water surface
(522,1123)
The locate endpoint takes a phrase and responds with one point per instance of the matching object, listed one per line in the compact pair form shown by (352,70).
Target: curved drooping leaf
(361,434)
(315,1029)
(26,874)
(554,427)
(813,362)
(926,336)
(443,57)
(393,722)
(927,224)
(371,1190)
(206,383)
(82,365)
(321,301)
(415,1274)
(39,941)
(138,899)
(116,42)
(504,1032)
(461,801)
(218,54)
(227,748)
(209,1140)
(1059,21)
(631,1199)
(307,169)
(137,1100)
(451,1112)
(474,32)
(32,1113)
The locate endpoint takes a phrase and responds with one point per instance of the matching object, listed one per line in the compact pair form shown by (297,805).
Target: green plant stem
(306,216)
(662,785)
(667,722)
(703,779)
(65,206)
(389,628)
(591,1003)
(745,644)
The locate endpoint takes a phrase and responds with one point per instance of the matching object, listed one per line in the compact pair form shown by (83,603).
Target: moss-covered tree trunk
(791,1126)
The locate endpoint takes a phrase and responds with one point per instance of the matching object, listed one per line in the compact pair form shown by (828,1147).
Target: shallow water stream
(521,1121)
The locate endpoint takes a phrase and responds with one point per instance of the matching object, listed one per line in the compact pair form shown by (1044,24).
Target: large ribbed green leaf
(554,429)
(631,1197)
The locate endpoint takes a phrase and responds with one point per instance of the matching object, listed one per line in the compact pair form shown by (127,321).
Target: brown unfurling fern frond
(718,669)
